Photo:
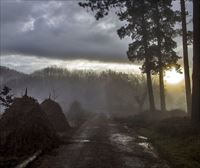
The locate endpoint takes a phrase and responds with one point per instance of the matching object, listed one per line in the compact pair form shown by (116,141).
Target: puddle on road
(121,139)
(148,148)
(145,145)
(80,141)
(125,143)
(142,137)
(126,127)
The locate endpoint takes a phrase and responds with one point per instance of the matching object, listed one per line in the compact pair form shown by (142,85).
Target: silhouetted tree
(136,14)
(147,22)
(140,100)
(5,98)
(196,63)
(76,114)
(164,19)
(185,56)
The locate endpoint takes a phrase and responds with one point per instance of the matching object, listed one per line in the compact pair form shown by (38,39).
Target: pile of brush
(25,128)
(55,115)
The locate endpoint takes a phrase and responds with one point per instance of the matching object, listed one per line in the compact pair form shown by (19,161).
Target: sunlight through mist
(173,77)
(30,64)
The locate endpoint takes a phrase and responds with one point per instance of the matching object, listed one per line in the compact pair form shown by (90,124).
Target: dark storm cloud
(58,29)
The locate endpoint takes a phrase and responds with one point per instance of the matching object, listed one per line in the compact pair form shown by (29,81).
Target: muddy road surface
(103,143)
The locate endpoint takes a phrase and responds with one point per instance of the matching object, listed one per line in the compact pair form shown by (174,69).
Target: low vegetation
(55,115)
(108,90)
(24,130)
(176,138)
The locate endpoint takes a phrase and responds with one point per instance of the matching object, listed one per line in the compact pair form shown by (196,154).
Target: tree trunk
(147,63)
(150,92)
(185,58)
(196,63)
(160,64)
(162,90)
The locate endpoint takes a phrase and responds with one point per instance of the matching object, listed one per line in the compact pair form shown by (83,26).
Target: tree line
(151,26)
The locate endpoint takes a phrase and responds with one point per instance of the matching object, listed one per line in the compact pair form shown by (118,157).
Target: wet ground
(103,143)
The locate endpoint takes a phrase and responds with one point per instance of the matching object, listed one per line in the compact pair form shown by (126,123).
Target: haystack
(25,128)
(55,115)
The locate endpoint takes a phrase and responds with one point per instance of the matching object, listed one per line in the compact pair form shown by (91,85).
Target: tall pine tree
(164,19)
(150,24)
(138,27)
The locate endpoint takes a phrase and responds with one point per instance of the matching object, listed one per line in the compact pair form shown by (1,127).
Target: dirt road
(103,143)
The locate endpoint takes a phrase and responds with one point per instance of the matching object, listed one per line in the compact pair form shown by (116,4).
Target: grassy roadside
(181,152)
(176,139)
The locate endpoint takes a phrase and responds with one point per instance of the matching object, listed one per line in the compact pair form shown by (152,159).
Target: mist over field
(106,91)
(99,84)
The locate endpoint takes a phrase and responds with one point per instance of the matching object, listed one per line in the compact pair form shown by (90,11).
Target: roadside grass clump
(177,140)
(172,134)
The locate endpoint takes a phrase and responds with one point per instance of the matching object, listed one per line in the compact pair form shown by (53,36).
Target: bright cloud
(30,64)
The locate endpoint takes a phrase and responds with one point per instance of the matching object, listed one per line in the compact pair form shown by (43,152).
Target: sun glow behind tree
(173,77)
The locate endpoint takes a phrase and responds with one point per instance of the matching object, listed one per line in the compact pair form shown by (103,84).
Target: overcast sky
(57,30)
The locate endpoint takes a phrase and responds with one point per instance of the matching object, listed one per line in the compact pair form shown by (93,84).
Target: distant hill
(111,91)
(7,74)
(96,92)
